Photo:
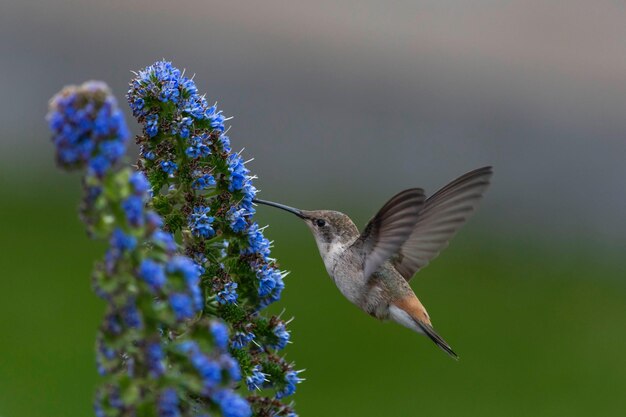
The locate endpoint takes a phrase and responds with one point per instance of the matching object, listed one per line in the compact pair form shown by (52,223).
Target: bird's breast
(331,253)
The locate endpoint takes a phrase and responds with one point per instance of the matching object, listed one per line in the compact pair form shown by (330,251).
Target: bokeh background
(342,104)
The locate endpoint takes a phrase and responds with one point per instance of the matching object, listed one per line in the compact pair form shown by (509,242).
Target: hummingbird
(372,268)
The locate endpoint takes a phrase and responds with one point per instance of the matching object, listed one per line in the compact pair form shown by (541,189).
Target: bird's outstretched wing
(442,215)
(389,229)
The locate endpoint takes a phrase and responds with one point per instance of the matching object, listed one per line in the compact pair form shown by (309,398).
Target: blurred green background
(539,326)
(342,104)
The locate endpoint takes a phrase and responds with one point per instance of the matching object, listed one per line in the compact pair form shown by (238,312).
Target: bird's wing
(389,229)
(441,217)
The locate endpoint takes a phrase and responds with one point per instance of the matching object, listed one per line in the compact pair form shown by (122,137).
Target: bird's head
(330,228)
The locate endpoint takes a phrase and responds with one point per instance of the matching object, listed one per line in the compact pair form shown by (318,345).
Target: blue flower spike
(188,271)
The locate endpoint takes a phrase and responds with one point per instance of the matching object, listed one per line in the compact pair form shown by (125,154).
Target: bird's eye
(320,222)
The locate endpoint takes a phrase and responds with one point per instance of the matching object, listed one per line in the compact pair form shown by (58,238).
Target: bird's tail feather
(438,340)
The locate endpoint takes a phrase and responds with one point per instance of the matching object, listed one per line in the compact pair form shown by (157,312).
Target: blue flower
(231,366)
(220,334)
(271,283)
(188,346)
(198,147)
(258,244)
(229,294)
(152,273)
(257,379)
(291,379)
(112,149)
(237,219)
(186,267)
(149,155)
(209,370)
(164,239)
(133,208)
(169,167)
(154,358)
(88,128)
(274,295)
(191,273)
(154,220)
(168,403)
(122,242)
(115,400)
(216,117)
(188,87)
(181,127)
(240,339)
(225,141)
(269,278)
(165,83)
(112,324)
(200,222)
(195,107)
(203,182)
(131,315)
(159,81)
(152,125)
(182,305)
(282,336)
(91,194)
(140,183)
(97,408)
(249,192)
(99,165)
(231,404)
(238,172)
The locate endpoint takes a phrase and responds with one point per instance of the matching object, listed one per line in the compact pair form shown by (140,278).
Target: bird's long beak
(282,207)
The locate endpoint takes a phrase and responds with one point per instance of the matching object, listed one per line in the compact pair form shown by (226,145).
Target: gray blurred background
(362,98)
(342,104)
